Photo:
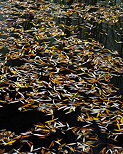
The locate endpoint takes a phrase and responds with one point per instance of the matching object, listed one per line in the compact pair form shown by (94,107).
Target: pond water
(57,62)
(110,35)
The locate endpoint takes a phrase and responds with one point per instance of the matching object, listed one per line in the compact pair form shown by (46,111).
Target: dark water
(110,35)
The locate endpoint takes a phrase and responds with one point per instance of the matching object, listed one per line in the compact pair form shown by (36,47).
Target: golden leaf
(10,142)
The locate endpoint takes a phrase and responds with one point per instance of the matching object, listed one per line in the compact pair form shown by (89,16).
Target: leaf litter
(61,76)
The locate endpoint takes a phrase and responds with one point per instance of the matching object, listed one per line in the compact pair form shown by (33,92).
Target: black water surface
(13,120)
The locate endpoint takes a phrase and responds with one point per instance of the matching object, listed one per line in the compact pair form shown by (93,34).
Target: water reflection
(3,28)
(110,35)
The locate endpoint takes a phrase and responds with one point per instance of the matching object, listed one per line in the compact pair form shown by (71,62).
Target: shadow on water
(14,120)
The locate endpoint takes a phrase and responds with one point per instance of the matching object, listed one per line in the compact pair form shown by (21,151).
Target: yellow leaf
(40,126)
(2,76)
(100,91)
(10,142)
(118,125)
(46,130)
(52,144)
(90,143)
(59,140)
(98,115)
(12,71)
(49,121)
(121,120)
(71,149)
(18,84)
(2,101)
(121,130)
